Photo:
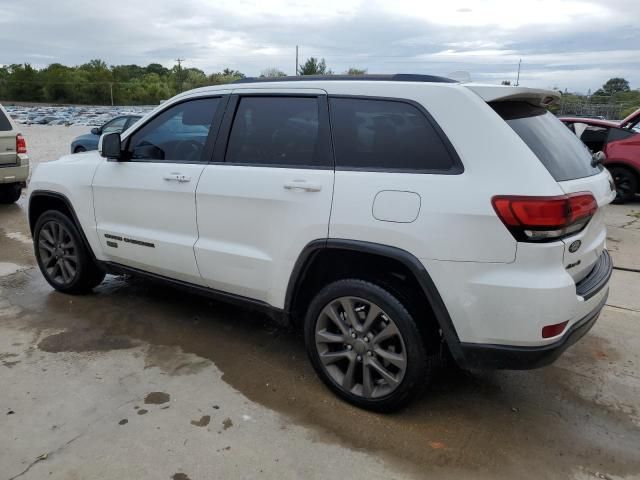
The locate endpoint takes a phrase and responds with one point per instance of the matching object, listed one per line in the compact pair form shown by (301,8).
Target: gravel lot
(141,381)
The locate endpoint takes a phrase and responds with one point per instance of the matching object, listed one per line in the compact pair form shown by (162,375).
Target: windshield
(559,150)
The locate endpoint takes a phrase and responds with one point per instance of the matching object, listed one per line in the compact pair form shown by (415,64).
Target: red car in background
(620,142)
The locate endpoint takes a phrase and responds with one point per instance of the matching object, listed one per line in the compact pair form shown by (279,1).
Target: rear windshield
(5,126)
(559,150)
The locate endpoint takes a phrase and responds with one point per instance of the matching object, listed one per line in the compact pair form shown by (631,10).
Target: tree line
(96,83)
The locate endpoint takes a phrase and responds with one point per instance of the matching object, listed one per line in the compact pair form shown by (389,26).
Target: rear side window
(5,125)
(372,134)
(277,131)
(559,150)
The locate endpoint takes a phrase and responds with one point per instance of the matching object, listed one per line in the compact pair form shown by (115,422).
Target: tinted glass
(177,134)
(5,126)
(115,125)
(280,131)
(559,150)
(381,134)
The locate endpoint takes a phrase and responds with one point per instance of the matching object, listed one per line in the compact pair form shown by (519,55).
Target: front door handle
(177,177)
(303,185)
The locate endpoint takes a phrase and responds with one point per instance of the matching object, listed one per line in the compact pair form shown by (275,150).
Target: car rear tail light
(553,330)
(539,219)
(21,144)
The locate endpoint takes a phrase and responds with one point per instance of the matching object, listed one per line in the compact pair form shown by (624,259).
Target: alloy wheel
(58,253)
(360,347)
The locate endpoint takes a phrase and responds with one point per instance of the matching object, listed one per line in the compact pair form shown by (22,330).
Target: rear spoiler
(505,93)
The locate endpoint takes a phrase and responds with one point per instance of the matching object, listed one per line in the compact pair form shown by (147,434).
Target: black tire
(418,367)
(626,183)
(86,273)
(10,193)
(79,149)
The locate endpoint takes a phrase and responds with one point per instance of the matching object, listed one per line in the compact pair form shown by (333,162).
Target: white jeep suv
(395,219)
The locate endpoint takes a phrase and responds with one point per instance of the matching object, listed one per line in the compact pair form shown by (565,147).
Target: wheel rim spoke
(393,358)
(372,315)
(387,332)
(329,358)
(350,313)
(384,373)
(348,380)
(324,336)
(367,382)
(331,312)
(47,236)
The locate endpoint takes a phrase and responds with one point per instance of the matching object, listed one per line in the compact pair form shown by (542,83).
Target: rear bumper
(479,356)
(15,173)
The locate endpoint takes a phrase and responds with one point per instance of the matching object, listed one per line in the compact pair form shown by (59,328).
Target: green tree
(356,71)
(314,67)
(272,73)
(613,86)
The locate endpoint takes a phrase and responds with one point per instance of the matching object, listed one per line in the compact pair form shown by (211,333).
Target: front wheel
(10,193)
(626,184)
(366,346)
(62,256)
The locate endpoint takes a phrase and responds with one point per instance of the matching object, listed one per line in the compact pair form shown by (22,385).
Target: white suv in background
(14,162)
(393,218)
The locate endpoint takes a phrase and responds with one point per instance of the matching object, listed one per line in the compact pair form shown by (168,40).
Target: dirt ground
(142,381)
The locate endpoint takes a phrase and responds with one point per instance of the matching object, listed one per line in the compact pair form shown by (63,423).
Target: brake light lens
(539,219)
(21,144)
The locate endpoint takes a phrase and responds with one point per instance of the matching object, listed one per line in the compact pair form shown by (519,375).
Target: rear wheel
(365,345)
(62,255)
(10,193)
(80,149)
(626,183)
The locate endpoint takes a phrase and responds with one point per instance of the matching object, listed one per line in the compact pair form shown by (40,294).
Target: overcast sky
(574,44)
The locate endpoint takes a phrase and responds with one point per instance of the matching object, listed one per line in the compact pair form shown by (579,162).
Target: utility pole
(179,74)
(518,77)
(296,60)
(111,91)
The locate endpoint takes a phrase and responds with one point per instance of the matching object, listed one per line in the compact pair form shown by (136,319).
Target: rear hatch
(8,154)
(570,163)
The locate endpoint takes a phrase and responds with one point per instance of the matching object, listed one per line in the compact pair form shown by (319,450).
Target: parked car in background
(14,162)
(89,141)
(620,142)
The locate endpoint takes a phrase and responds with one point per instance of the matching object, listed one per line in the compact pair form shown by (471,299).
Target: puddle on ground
(203,422)
(7,269)
(488,423)
(156,398)
(85,341)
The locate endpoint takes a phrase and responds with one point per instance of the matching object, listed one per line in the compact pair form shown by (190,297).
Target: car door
(268,192)
(145,205)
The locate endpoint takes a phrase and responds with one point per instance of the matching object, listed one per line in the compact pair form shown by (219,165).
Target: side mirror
(598,158)
(95,131)
(110,146)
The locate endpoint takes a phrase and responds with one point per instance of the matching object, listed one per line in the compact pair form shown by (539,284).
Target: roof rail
(398,77)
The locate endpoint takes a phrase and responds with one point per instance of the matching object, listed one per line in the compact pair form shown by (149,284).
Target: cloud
(554,38)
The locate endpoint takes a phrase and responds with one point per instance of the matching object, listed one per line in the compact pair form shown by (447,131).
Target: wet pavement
(139,380)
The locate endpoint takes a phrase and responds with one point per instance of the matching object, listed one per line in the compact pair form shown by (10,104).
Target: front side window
(386,135)
(276,131)
(177,134)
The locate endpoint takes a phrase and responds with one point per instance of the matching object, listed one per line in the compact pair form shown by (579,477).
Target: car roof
(346,84)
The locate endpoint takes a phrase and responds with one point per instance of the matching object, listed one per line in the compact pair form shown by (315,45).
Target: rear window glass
(559,150)
(386,135)
(5,125)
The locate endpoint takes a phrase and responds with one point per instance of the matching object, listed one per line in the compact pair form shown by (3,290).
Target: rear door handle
(303,185)
(177,177)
